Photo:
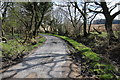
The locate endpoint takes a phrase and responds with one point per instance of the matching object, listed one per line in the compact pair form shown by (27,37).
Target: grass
(41,41)
(97,64)
(14,48)
(86,51)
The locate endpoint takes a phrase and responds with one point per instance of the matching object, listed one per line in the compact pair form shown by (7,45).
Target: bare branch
(95,11)
(79,20)
(91,21)
(65,13)
(71,16)
(60,5)
(97,3)
(115,14)
(113,8)
(79,9)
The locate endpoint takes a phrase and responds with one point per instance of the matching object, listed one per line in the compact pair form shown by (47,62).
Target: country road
(51,60)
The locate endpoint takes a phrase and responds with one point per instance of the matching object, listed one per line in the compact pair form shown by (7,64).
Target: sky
(116,9)
(99,16)
(62,1)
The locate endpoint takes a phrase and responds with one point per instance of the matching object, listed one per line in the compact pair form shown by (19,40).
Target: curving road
(50,60)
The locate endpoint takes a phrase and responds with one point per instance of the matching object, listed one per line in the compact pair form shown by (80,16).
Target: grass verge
(93,63)
(13,50)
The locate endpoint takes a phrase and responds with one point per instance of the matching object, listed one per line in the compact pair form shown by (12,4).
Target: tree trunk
(110,34)
(39,24)
(85,32)
(34,32)
(85,20)
(12,31)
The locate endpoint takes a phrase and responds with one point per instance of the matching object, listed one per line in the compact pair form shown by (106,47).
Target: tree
(106,11)
(20,19)
(36,12)
(71,19)
(83,13)
(42,9)
(75,19)
(3,9)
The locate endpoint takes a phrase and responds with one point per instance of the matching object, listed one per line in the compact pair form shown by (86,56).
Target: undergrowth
(15,49)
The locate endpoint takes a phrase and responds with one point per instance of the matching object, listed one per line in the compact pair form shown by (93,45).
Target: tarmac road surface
(51,60)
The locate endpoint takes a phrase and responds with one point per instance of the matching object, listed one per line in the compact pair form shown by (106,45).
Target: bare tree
(71,16)
(75,20)
(83,13)
(106,11)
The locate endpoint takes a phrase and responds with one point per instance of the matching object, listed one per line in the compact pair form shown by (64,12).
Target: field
(101,27)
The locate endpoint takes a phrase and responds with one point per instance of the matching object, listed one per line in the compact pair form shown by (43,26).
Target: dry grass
(101,27)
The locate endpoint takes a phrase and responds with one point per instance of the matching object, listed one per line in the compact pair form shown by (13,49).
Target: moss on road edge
(97,65)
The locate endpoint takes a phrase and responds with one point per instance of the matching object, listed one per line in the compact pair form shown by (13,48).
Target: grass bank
(12,51)
(92,62)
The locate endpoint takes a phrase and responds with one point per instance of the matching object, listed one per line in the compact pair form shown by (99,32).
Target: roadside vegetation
(97,45)
(19,31)
(93,65)
(14,50)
